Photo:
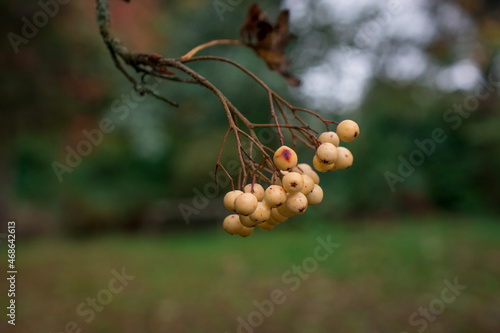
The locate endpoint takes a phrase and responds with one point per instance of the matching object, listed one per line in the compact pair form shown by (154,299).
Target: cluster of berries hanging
(292,189)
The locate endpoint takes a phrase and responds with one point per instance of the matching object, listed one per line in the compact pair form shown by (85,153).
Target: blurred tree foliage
(63,82)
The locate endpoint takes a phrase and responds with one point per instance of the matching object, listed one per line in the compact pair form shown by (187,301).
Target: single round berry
(257,190)
(308,185)
(277,217)
(327,153)
(293,182)
(297,203)
(246,221)
(302,168)
(320,166)
(261,214)
(232,224)
(345,158)
(285,158)
(275,196)
(284,211)
(330,137)
(348,130)
(229,199)
(316,195)
(245,203)
(313,175)
(245,232)
(265,226)
(271,221)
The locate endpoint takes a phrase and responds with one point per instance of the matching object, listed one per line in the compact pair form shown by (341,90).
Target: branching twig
(161,67)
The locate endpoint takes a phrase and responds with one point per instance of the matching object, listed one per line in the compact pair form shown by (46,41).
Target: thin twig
(275,117)
(198,48)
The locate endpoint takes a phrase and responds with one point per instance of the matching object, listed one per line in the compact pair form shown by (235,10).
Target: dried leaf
(254,16)
(269,41)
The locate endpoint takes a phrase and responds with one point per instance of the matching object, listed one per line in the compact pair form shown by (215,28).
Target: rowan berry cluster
(293,188)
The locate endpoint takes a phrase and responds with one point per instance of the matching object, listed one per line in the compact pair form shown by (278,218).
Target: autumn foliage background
(398,84)
(63,82)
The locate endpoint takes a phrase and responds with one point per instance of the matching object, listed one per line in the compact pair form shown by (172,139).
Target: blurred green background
(406,221)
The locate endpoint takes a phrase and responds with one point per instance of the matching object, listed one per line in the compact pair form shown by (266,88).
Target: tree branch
(167,68)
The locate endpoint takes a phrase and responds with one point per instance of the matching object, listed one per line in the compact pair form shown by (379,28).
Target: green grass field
(374,281)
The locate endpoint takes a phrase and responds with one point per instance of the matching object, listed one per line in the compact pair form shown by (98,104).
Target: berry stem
(198,48)
(219,158)
(219,165)
(326,122)
(271,102)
